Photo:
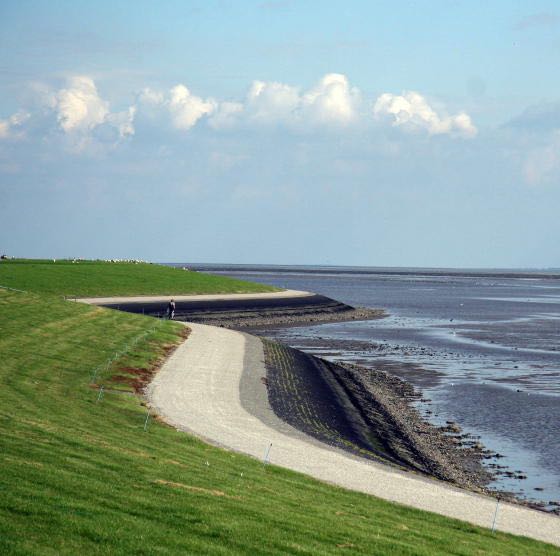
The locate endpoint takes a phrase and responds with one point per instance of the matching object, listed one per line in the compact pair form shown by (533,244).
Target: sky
(282,132)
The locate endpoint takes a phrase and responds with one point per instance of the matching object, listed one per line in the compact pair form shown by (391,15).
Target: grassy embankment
(98,279)
(80,475)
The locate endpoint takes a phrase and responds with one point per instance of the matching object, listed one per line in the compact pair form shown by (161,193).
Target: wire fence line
(124,351)
(119,353)
(65,297)
(12,289)
(107,364)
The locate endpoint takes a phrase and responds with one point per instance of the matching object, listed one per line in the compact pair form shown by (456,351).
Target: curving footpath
(283,294)
(211,386)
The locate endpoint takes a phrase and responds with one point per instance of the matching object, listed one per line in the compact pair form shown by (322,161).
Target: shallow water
(484,349)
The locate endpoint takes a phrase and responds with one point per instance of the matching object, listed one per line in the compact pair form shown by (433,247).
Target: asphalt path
(211,386)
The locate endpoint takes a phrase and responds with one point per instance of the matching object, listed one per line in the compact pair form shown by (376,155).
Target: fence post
(495,515)
(146,421)
(265,461)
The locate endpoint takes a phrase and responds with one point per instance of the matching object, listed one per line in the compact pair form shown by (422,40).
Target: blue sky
(294,132)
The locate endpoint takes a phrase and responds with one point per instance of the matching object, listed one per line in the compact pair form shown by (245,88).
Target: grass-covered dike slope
(99,279)
(80,475)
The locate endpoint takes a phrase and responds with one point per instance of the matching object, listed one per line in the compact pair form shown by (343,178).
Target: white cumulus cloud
(79,106)
(332,100)
(412,111)
(186,109)
(80,110)
(183,107)
(271,102)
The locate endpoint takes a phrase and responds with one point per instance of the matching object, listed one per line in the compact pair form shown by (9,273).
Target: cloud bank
(332,102)
(268,103)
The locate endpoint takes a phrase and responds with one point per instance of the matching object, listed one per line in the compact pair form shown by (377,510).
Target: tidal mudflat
(483,348)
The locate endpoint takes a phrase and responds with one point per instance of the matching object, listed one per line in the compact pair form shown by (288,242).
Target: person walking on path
(171,309)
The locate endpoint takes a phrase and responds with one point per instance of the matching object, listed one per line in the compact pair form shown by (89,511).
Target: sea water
(482,346)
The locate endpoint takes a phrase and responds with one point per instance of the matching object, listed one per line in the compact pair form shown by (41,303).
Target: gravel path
(207,297)
(211,386)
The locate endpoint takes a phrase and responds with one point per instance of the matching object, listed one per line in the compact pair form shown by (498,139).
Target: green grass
(79,476)
(99,279)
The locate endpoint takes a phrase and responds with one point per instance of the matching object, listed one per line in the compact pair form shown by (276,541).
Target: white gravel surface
(208,297)
(198,390)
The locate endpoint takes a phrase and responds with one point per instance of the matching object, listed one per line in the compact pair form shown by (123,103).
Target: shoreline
(411,442)
(284,308)
(212,386)
(253,321)
(509,479)
(433,448)
(367,413)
